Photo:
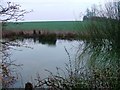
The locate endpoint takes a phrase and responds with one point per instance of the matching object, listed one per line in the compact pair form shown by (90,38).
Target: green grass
(46,25)
(88,29)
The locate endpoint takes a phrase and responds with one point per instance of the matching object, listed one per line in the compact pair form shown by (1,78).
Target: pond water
(41,56)
(95,57)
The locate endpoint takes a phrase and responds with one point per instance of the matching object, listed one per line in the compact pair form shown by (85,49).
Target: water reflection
(40,57)
(49,39)
(99,59)
(96,66)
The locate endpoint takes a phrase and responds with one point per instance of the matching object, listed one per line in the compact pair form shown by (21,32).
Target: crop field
(46,25)
(85,29)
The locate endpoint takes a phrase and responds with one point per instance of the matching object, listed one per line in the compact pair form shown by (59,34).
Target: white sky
(61,10)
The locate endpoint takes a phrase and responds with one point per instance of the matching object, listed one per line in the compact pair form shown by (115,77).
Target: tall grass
(97,66)
(95,29)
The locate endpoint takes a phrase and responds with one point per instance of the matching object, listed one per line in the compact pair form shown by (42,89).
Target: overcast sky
(55,10)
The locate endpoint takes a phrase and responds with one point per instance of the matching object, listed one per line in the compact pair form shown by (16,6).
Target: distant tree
(89,13)
(94,10)
(110,10)
(119,10)
(85,18)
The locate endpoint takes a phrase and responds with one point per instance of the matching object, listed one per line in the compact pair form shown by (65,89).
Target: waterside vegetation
(97,66)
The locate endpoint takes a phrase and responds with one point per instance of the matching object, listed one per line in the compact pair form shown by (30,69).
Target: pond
(38,56)
(90,63)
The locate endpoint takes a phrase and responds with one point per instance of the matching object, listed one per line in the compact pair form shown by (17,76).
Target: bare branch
(12,12)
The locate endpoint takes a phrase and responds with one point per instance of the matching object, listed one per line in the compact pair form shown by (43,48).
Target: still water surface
(40,57)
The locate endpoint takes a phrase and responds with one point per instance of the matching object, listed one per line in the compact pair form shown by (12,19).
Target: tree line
(111,10)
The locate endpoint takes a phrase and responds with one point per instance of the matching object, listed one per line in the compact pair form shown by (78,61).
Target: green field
(87,28)
(46,25)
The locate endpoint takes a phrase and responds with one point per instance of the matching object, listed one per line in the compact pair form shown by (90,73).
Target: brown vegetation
(38,33)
